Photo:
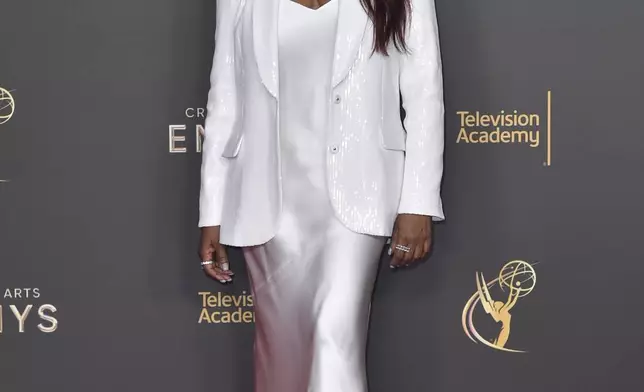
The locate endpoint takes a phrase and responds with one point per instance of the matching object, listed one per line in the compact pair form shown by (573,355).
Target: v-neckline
(309,8)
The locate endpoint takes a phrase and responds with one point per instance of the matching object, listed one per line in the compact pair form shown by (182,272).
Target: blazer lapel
(352,23)
(265,17)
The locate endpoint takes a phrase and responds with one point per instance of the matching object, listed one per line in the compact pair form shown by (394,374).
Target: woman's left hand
(412,232)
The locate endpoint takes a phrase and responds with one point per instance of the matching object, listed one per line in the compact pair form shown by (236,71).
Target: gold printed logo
(7,105)
(17,318)
(516,280)
(508,127)
(226,308)
(181,140)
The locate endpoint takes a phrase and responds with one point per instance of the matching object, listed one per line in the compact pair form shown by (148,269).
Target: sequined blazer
(377,164)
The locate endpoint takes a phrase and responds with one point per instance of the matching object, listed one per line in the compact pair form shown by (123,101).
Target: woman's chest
(349,39)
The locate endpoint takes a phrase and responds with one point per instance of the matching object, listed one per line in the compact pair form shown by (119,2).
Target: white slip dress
(312,283)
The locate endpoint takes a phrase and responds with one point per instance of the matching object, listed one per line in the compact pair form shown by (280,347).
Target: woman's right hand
(211,249)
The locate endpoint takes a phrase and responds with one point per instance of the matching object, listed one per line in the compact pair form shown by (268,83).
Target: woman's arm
(421,85)
(220,118)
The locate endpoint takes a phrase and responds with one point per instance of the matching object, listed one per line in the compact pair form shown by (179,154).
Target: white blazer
(377,167)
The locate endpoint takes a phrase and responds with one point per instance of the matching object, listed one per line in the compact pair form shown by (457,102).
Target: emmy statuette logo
(7,105)
(516,280)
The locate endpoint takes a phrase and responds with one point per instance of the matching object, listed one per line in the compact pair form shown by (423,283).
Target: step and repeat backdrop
(101,109)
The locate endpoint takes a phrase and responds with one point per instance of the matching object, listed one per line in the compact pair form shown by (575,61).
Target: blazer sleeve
(421,86)
(220,117)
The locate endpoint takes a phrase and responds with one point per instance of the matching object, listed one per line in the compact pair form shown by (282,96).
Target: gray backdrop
(100,216)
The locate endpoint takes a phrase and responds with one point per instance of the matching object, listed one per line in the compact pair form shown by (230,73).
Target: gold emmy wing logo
(516,280)
(7,105)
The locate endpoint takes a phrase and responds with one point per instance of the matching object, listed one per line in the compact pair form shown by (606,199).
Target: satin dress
(312,283)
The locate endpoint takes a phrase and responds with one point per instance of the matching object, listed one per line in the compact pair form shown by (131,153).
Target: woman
(309,168)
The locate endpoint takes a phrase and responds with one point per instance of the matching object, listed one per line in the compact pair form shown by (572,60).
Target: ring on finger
(403,248)
(205,263)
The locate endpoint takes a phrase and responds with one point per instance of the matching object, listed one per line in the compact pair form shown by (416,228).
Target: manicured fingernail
(389,240)
(390,252)
(225,266)
(222,280)
(392,266)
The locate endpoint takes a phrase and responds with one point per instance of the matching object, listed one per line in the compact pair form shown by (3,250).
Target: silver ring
(404,248)
(207,262)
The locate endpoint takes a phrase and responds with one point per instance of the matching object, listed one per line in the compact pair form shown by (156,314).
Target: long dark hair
(389,18)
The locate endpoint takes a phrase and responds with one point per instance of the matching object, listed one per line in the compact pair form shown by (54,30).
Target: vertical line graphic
(549,130)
